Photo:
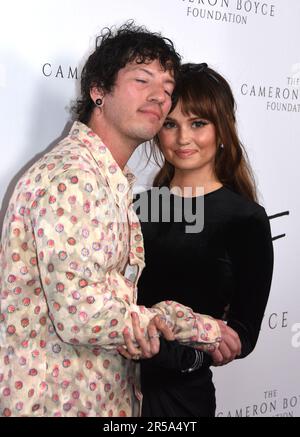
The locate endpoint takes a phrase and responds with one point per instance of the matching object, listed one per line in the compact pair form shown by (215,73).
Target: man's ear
(96,93)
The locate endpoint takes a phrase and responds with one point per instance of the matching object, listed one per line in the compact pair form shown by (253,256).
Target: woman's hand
(147,346)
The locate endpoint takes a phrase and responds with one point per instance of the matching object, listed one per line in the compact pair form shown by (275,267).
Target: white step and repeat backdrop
(255,44)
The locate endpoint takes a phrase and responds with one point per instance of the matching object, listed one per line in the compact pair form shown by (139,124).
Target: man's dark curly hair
(115,48)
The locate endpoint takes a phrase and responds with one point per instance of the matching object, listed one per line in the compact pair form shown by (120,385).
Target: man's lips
(151,112)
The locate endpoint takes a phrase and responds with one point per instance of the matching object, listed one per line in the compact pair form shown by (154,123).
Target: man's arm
(76,243)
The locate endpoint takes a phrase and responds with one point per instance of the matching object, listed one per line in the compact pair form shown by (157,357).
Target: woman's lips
(185,153)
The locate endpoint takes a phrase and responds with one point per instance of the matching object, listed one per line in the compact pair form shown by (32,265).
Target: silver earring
(221,146)
(98,102)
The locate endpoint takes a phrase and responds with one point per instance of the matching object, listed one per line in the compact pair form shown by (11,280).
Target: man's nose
(157,94)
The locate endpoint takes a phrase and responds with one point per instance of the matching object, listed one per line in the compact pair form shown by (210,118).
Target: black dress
(224,271)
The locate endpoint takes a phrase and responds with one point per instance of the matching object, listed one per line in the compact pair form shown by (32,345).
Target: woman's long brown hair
(203,92)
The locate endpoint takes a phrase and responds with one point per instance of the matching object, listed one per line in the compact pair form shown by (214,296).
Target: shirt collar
(120,182)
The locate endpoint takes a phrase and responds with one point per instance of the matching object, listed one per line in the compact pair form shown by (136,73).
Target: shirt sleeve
(75,242)
(251,252)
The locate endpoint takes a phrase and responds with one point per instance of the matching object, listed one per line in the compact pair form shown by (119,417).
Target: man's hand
(229,348)
(146,347)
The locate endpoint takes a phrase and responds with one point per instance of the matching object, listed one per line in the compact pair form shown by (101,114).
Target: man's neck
(120,148)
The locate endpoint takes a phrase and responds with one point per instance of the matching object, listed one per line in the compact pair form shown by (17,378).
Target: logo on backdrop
(228,11)
(276,217)
(272,404)
(279,98)
(59,71)
(280,320)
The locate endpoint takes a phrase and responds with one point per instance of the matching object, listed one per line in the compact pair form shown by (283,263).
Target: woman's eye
(141,80)
(168,124)
(199,123)
(168,93)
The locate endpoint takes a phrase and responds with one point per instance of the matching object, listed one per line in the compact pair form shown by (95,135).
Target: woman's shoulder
(242,208)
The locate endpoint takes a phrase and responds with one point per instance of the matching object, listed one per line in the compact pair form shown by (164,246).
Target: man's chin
(147,135)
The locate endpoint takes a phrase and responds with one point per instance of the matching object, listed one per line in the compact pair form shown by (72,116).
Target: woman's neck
(195,183)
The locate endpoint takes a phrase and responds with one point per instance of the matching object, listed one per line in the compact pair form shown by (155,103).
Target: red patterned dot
(11,329)
(24,323)
(37,310)
(11,309)
(60,327)
(33,334)
(56,306)
(90,300)
(43,344)
(43,321)
(61,188)
(33,261)
(6,412)
(88,364)
(6,392)
(52,199)
(114,322)
(106,364)
(83,283)
(16,232)
(72,309)
(107,388)
(93,386)
(26,301)
(70,275)
(60,287)
(37,291)
(25,247)
(66,363)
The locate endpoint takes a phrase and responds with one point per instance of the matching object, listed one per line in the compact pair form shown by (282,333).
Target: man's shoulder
(67,158)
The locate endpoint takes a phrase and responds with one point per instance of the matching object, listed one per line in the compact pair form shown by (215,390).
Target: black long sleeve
(224,271)
(252,258)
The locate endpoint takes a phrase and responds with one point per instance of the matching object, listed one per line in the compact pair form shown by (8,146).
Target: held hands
(229,348)
(147,346)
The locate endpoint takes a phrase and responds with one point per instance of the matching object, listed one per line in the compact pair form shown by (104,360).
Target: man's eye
(141,80)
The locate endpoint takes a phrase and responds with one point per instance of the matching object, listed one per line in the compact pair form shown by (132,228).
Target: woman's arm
(251,252)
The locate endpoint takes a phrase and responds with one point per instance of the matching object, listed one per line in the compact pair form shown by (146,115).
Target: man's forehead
(151,66)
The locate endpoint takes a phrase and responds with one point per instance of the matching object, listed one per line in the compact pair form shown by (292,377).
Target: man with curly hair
(72,248)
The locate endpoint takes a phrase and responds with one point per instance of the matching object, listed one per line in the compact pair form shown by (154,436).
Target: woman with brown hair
(226,269)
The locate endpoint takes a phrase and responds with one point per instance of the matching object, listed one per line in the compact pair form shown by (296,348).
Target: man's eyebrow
(151,74)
